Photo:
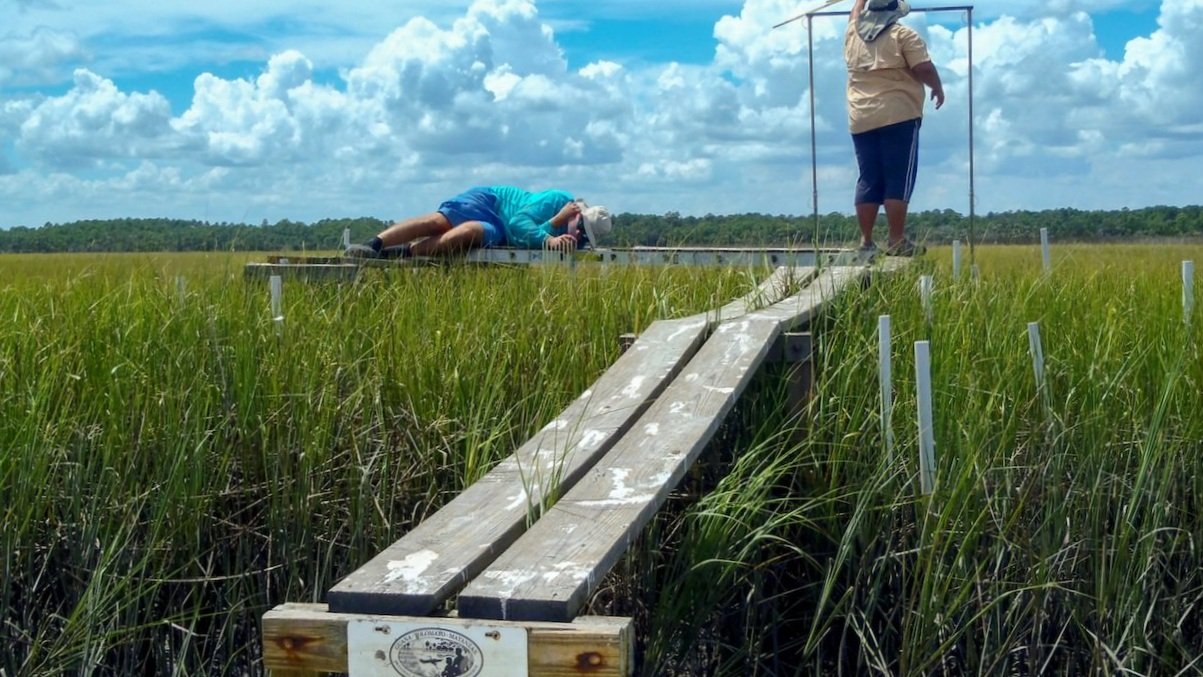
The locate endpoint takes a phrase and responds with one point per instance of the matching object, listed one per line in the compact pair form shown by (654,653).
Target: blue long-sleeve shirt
(527,216)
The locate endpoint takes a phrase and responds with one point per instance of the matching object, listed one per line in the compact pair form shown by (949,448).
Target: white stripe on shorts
(912,166)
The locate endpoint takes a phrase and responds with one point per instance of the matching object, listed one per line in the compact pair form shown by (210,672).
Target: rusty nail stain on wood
(293,643)
(591,659)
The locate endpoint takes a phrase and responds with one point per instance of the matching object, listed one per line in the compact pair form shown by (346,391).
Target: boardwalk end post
(308,639)
(625,341)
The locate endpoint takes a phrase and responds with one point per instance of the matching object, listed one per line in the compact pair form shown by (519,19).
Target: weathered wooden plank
(345,272)
(426,566)
(415,574)
(768,292)
(308,638)
(693,256)
(549,573)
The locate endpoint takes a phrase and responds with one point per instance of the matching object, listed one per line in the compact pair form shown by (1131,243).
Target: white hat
(597,222)
(880,15)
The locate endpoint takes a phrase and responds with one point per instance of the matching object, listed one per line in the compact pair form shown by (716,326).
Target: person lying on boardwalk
(888,66)
(494,216)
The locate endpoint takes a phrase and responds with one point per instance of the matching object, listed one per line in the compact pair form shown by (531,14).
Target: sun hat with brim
(880,15)
(596,220)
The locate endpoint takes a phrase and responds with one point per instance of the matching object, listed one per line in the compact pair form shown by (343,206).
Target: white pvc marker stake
(887,389)
(346,238)
(1188,290)
(1036,347)
(277,287)
(1045,252)
(925,293)
(181,288)
(927,436)
(956,259)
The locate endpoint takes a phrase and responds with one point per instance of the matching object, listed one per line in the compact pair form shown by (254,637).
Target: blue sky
(304,110)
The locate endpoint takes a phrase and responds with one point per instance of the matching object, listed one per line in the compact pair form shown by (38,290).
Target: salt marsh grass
(173,466)
(1060,538)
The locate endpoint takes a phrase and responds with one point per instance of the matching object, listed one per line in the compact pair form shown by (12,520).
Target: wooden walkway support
(527,544)
(308,638)
(342,269)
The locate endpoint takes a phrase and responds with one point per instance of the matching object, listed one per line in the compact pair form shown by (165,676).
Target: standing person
(495,216)
(888,66)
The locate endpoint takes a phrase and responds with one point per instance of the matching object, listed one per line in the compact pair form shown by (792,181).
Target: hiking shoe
(868,249)
(401,251)
(360,251)
(906,247)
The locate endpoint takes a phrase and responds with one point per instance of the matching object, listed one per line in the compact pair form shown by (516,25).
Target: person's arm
(857,8)
(927,74)
(565,241)
(523,231)
(526,230)
(566,214)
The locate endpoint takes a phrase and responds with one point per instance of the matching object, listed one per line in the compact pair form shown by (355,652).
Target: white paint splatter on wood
(411,568)
(632,389)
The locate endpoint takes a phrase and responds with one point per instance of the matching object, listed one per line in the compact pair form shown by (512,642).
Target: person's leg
(396,238)
(870,185)
(461,238)
(429,225)
(900,149)
(896,218)
(866,214)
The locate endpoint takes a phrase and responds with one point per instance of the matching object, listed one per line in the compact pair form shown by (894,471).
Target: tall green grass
(1059,539)
(171,467)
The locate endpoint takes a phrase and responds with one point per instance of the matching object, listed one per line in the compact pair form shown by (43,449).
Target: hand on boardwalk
(563,243)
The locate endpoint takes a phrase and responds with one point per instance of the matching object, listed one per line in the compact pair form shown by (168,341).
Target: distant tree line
(934,227)
(671,229)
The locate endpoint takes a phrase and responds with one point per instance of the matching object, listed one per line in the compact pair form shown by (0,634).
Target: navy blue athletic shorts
(476,204)
(888,158)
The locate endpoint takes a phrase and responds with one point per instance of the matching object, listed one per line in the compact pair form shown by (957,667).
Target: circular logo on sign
(435,652)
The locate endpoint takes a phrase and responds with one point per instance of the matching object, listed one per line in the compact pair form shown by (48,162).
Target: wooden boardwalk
(337,268)
(550,572)
(526,545)
(430,563)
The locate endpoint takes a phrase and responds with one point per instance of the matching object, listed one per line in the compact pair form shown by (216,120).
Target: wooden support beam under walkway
(337,268)
(308,638)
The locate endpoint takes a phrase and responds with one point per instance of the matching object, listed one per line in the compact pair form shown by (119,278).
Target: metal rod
(814,143)
(832,2)
(914,10)
(825,5)
(972,168)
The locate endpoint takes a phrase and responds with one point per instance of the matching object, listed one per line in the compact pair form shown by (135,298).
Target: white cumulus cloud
(94,122)
(39,57)
(483,93)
